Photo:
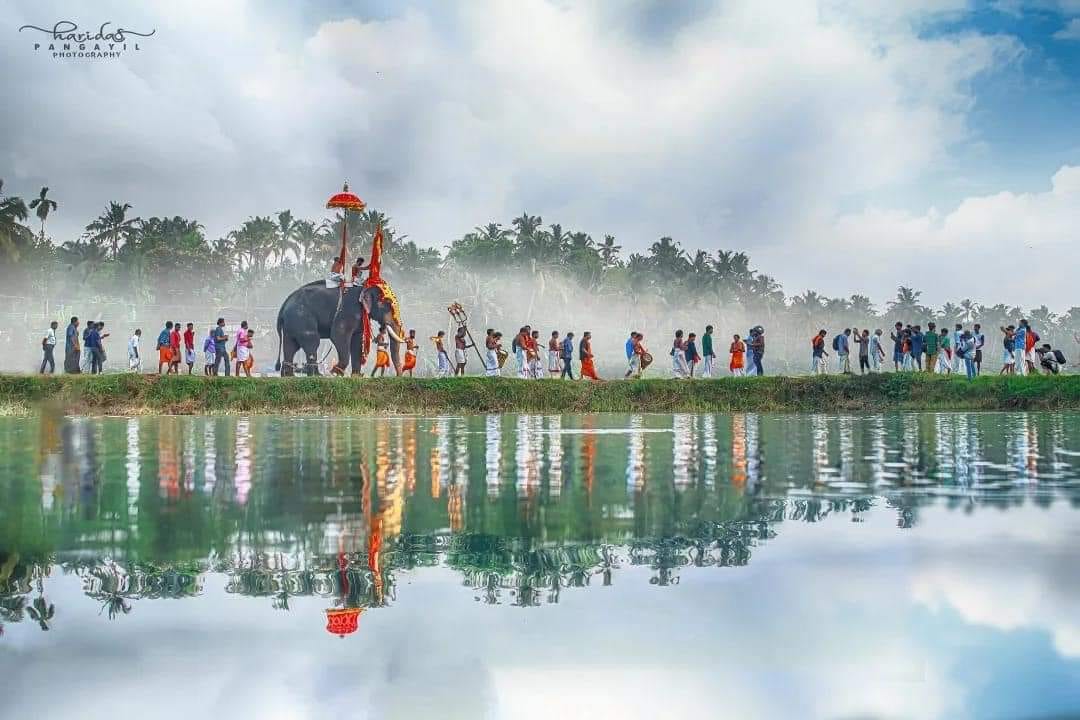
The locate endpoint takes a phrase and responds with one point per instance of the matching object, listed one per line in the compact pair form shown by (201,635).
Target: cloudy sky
(847,145)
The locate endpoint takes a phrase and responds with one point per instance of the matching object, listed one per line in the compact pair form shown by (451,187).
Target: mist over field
(133,272)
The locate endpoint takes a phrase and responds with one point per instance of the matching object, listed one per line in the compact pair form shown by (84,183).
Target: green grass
(140,394)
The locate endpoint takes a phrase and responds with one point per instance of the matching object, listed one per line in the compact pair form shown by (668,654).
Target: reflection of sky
(839,619)
(967,611)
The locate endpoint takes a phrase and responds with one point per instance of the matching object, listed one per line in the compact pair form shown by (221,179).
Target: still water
(520,566)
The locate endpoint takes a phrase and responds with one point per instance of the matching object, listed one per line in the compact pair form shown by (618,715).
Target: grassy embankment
(140,394)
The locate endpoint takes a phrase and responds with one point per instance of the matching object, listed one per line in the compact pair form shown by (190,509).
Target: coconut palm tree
(609,251)
(906,305)
(112,227)
(42,206)
(14,236)
(41,612)
(287,227)
(970,310)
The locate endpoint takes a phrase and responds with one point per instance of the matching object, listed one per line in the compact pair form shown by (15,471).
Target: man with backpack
(1050,360)
(841,344)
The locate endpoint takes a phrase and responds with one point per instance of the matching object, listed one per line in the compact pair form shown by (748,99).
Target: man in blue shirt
(567,356)
(917,343)
(1019,342)
(71,347)
(843,350)
(93,346)
(221,340)
(630,352)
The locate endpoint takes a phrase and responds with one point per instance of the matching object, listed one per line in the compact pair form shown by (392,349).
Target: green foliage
(127,393)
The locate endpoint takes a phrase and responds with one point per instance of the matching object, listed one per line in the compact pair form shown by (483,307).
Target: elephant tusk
(393,334)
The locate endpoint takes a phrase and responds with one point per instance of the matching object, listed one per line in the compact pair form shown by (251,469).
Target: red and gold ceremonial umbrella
(346,201)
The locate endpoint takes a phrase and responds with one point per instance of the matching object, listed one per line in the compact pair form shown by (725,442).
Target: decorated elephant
(314,311)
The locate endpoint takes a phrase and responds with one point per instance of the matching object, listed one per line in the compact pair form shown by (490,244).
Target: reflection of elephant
(312,312)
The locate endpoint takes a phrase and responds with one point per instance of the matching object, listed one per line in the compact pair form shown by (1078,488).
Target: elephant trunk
(394,335)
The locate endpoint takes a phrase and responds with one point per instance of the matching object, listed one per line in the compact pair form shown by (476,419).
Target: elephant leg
(342,342)
(355,346)
(310,344)
(289,348)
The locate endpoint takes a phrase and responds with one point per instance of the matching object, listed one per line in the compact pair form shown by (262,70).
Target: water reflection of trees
(524,508)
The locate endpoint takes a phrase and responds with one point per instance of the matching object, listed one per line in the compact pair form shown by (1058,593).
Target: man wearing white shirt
(48,344)
(134,358)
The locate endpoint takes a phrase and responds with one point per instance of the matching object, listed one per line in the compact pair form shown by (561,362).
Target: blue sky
(903,139)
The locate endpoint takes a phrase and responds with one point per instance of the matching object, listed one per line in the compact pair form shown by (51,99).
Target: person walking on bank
(757,350)
(930,346)
(692,356)
(966,352)
(957,336)
(877,351)
(134,359)
(84,362)
(189,347)
(980,340)
(566,354)
(944,358)
(93,344)
(818,362)
(163,348)
(842,346)
(897,336)
(918,343)
(208,353)
(221,348)
(585,353)
(174,349)
(707,354)
(48,345)
(71,347)
(863,341)
(737,351)
(553,354)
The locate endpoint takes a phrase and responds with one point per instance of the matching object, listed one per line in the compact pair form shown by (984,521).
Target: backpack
(1060,357)
(836,343)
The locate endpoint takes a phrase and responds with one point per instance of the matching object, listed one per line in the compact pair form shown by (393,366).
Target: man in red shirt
(189,347)
(174,345)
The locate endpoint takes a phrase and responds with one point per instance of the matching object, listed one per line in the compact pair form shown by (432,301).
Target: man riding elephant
(343,315)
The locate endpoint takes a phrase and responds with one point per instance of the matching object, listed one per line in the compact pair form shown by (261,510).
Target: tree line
(505,274)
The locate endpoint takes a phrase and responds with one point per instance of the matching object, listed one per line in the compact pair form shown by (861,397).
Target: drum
(646,360)
(502,355)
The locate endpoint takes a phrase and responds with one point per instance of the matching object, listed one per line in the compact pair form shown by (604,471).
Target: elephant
(314,311)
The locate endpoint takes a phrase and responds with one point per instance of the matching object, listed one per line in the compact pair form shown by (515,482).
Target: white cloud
(741,128)
(1071,31)
(973,250)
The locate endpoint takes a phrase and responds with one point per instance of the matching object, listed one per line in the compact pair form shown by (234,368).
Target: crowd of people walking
(932,350)
(84,352)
